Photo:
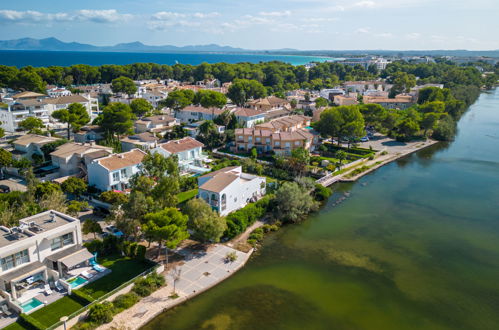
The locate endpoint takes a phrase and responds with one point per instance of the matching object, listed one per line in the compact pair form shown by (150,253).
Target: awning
(77,258)
(23,272)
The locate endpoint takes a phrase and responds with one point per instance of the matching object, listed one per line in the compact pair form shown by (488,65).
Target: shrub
(94,246)
(257,234)
(322,193)
(82,297)
(84,326)
(101,313)
(231,256)
(113,198)
(147,285)
(31,322)
(125,301)
(141,252)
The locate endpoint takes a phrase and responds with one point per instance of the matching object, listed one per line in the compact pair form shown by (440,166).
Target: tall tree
(91,226)
(205,223)
(293,202)
(32,125)
(76,116)
(242,90)
(117,118)
(179,99)
(123,85)
(402,83)
(167,226)
(209,99)
(140,107)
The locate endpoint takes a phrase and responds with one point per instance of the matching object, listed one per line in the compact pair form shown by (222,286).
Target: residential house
(155,124)
(248,117)
(114,171)
(269,103)
(193,128)
(285,124)
(197,113)
(154,96)
(44,249)
(70,157)
(401,102)
(330,93)
(30,144)
(281,143)
(145,141)
(362,86)
(89,133)
(189,152)
(58,92)
(346,100)
(63,102)
(229,189)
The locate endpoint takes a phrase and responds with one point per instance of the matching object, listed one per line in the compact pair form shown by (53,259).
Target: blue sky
(261,24)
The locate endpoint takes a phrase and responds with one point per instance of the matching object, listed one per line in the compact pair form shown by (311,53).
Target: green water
(415,246)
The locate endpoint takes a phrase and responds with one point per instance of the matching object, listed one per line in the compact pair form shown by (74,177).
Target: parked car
(364,139)
(4,189)
(114,231)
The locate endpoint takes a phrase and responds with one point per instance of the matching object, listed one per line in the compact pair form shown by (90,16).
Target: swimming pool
(77,281)
(30,305)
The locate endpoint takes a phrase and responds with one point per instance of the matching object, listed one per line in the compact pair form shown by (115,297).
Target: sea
(62,58)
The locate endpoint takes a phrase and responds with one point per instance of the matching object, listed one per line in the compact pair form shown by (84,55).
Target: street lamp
(64,319)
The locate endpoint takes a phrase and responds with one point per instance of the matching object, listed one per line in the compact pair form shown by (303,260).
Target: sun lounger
(58,286)
(87,275)
(6,310)
(47,290)
(98,268)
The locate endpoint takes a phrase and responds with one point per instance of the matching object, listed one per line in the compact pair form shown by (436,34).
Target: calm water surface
(416,246)
(47,58)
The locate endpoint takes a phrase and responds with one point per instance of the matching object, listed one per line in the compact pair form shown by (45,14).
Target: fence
(74,317)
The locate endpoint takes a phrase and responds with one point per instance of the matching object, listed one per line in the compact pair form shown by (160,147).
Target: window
(123,173)
(277,143)
(258,139)
(240,137)
(224,202)
(297,143)
(116,176)
(59,242)
(14,260)
(250,138)
(288,144)
(267,140)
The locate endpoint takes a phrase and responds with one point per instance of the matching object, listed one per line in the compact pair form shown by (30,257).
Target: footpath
(198,272)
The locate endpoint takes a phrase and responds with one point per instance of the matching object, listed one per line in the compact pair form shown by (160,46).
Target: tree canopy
(117,118)
(207,225)
(76,116)
(123,85)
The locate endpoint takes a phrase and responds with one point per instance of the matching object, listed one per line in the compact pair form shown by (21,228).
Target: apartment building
(155,124)
(285,124)
(189,153)
(197,113)
(44,249)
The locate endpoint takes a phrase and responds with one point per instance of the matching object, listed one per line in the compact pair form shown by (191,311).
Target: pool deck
(198,273)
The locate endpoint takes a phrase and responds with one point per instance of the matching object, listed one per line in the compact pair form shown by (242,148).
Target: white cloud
(413,36)
(365,4)
(276,13)
(84,15)
(363,30)
(164,20)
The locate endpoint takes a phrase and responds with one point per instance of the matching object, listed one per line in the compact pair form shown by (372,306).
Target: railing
(104,297)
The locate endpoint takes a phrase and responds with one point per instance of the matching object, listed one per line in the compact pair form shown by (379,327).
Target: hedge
(30,322)
(238,221)
(82,297)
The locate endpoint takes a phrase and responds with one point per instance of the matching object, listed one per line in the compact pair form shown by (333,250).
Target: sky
(260,24)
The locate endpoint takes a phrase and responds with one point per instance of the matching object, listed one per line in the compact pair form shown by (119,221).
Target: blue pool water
(30,305)
(77,282)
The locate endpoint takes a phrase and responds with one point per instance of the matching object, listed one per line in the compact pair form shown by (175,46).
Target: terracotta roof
(96,154)
(248,112)
(159,119)
(27,94)
(141,137)
(223,170)
(219,182)
(284,122)
(184,144)
(72,148)
(375,99)
(253,132)
(292,136)
(216,111)
(125,159)
(67,99)
(27,139)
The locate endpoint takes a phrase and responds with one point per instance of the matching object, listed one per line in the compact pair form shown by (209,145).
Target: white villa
(114,172)
(189,152)
(42,259)
(229,189)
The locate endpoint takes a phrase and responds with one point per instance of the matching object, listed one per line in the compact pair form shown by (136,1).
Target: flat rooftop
(31,226)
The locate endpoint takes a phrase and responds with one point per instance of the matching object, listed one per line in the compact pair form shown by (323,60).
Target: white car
(364,139)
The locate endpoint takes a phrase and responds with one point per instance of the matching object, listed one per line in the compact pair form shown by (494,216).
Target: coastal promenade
(198,272)
(388,151)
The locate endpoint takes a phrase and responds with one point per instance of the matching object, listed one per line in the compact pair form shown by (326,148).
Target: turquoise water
(415,246)
(30,305)
(77,281)
(47,58)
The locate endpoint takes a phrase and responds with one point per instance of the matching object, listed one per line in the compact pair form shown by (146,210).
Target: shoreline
(148,308)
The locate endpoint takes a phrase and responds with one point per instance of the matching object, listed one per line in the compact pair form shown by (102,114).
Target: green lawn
(52,313)
(123,270)
(186,195)
(14,326)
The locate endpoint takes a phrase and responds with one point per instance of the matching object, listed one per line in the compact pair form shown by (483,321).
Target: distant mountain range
(54,44)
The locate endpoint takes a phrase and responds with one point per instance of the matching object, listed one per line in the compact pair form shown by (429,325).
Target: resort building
(340,100)
(70,158)
(18,107)
(41,259)
(269,103)
(189,153)
(229,189)
(265,141)
(114,172)
(401,102)
(285,124)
